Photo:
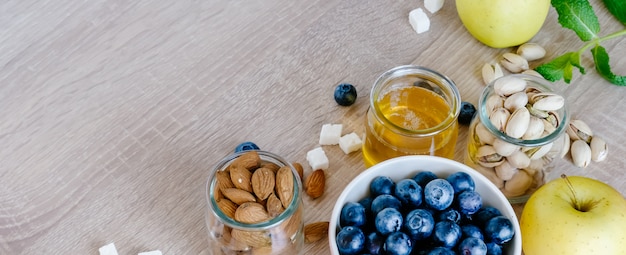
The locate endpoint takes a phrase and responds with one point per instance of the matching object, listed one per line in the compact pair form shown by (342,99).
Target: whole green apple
(574,215)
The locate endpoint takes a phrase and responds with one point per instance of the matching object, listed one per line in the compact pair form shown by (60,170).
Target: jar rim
(425,73)
(265,156)
(532,81)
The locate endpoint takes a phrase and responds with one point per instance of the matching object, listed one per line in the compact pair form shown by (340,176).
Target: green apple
(574,215)
(503,23)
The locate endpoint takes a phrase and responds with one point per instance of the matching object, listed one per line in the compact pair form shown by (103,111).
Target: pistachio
(494,102)
(566,145)
(488,73)
(483,135)
(535,166)
(581,153)
(499,118)
(579,130)
(547,101)
(488,157)
(539,152)
(535,112)
(533,73)
(518,184)
(554,119)
(599,149)
(535,129)
(515,101)
(531,51)
(490,173)
(513,62)
(518,123)
(518,159)
(509,85)
(504,148)
(505,171)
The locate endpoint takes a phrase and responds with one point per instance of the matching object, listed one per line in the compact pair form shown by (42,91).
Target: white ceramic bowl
(406,167)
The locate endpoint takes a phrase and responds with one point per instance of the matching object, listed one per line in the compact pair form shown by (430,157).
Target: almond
(315,231)
(238,196)
(249,160)
(284,185)
(315,183)
(251,212)
(223,180)
(270,166)
(274,206)
(263,182)
(252,238)
(240,177)
(299,169)
(227,207)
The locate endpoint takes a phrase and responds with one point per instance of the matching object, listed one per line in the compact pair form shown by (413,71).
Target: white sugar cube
(330,134)
(108,249)
(317,159)
(419,21)
(433,5)
(155,252)
(350,142)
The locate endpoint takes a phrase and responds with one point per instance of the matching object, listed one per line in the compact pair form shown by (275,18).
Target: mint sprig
(578,15)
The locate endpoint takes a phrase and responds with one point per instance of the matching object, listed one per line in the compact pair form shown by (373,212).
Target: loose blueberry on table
(467,113)
(345,94)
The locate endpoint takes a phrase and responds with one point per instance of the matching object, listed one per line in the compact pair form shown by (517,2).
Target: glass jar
(413,111)
(280,234)
(517,134)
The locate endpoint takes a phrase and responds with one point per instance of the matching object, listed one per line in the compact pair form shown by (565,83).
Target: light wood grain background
(112,112)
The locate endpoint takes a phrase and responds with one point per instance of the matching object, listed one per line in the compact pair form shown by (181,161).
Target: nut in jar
(518,133)
(254,205)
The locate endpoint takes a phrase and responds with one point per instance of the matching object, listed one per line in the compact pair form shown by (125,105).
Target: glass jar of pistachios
(517,134)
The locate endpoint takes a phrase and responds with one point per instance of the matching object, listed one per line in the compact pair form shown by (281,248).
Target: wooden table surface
(113,112)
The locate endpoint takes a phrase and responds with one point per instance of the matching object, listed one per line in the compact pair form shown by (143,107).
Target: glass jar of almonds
(517,134)
(254,205)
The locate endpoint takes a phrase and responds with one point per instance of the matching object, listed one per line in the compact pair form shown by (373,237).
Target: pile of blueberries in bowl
(423,212)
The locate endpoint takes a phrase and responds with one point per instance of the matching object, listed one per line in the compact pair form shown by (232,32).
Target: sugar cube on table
(350,143)
(433,5)
(108,249)
(419,21)
(155,252)
(317,159)
(330,134)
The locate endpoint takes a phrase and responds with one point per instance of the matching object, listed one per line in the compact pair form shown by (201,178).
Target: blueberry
(461,181)
(472,246)
(470,230)
(424,177)
(350,240)
(441,251)
(484,214)
(409,193)
(494,249)
(499,230)
(419,224)
(385,201)
(398,243)
(382,185)
(450,214)
(438,194)
(345,94)
(367,204)
(352,214)
(467,113)
(469,202)
(388,220)
(374,243)
(446,233)
(246,146)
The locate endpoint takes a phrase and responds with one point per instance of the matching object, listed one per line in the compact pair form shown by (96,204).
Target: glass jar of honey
(413,111)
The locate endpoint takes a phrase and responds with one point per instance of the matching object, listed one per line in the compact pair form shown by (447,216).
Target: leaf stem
(598,40)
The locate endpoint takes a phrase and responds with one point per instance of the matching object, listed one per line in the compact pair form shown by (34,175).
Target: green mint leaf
(561,67)
(601,58)
(578,16)
(617,8)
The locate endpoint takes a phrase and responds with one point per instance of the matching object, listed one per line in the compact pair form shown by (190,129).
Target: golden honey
(413,111)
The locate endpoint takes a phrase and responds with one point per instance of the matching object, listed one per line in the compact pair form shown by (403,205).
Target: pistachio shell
(547,101)
(490,173)
(518,123)
(499,118)
(505,171)
(539,152)
(535,112)
(579,130)
(504,148)
(508,85)
(566,145)
(533,73)
(535,129)
(488,73)
(493,102)
(483,135)
(513,62)
(599,149)
(518,159)
(518,184)
(581,153)
(487,156)
(531,51)
(515,101)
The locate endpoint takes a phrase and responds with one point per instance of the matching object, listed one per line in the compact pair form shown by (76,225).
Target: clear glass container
(413,111)
(282,234)
(518,166)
